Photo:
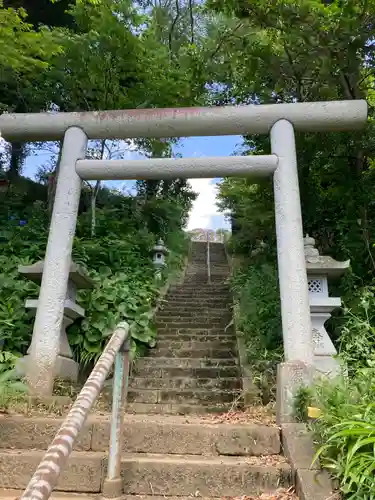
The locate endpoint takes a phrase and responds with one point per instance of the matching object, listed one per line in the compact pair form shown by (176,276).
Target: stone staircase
(194,367)
(192,371)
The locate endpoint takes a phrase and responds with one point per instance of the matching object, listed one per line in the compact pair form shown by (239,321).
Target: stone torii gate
(280,120)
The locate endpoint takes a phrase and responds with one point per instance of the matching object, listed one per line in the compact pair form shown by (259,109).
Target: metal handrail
(48,471)
(208,263)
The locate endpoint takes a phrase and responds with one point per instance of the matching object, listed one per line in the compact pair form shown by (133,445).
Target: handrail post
(208,262)
(112,486)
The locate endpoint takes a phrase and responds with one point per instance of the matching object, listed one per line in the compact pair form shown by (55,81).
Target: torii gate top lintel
(185,122)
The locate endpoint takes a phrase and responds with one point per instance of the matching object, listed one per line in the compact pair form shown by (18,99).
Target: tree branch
(226,35)
(191,21)
(173,25)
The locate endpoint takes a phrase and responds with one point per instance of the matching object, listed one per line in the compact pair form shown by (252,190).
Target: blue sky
(204,213)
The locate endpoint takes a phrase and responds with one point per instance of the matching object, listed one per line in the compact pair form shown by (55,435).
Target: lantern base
(327,366)
(324,350)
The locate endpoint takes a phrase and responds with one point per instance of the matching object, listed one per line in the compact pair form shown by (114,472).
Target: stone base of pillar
(290,377)
(66,368)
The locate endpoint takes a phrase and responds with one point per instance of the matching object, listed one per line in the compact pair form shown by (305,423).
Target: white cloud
(204,207)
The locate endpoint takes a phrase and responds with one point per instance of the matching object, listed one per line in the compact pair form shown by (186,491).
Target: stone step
(173,308)
(7,494)
(153,474)
(192,436)
(170,372)
(212,289)
(184,362)
(177,324)
(209,352)
(175,312)
(204,299)
(196,345)
(196,292)
(193,294)
(198,336)
(197,303)
(147,434)
(13,494)
(195,333)
(194,312)
(194,286)
(84,471)
(187,383)
(223,319)
(180,396)
(181,409)
(167,475)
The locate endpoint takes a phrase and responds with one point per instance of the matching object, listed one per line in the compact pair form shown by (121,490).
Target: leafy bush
(15,320)
(258,317)
(356,332)
(11,389)
(345,430)
(116,297)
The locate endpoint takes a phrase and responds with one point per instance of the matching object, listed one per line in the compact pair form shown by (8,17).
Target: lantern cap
(77,274)
(160,247)
(322,264)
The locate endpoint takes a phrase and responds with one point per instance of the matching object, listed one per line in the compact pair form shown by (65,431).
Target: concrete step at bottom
(83,473)
(187,383)
(170,372)
(11,494)
(147,474)
(16,494)
(154,474)
(182,396)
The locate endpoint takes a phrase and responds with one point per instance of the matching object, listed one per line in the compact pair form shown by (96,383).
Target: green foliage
(301,402)
(15,321)
(264,58)
(345,429)
(116,297)
(258,318)
(11,389)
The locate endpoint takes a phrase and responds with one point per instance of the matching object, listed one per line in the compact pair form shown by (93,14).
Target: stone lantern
(66,367)
(320,270)
(160,252)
